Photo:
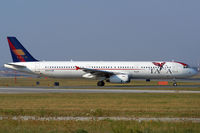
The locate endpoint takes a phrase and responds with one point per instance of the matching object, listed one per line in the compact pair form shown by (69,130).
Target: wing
(96,72)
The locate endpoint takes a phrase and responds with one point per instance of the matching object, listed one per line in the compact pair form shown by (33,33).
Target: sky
(103,30)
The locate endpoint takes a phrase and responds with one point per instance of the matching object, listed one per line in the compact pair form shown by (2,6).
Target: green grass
(125,105)
(130,105)
(11,126)
(91,84)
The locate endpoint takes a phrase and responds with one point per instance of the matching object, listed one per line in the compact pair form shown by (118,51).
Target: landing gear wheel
(148,80)
(174,84)
(100,83)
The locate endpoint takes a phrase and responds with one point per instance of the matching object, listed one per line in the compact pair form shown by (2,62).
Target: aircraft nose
(193,71)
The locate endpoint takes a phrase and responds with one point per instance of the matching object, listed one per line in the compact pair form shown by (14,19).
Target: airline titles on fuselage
(153,69)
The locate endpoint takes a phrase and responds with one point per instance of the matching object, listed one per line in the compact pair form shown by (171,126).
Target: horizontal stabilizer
(14,66)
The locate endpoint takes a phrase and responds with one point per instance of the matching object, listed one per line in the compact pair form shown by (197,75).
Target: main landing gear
(100,83)
(148,80)
(174,84)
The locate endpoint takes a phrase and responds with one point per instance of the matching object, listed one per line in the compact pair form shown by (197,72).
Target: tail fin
(18,52)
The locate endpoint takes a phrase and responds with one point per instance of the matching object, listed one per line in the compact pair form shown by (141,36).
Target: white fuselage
(67,69)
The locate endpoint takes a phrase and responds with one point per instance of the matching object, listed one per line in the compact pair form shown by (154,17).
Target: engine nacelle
(120,78)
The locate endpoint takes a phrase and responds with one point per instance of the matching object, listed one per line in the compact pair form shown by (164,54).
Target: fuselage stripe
(94,69)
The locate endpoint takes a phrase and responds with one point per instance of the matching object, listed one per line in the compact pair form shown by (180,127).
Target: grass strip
(91,84)
(106,126)
(126,105)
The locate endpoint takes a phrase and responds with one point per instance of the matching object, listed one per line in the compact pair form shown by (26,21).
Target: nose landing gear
(174,84)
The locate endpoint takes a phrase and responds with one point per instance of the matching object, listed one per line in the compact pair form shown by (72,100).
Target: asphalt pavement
(101,90)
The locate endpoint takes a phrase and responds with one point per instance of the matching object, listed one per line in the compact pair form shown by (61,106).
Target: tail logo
(18,52)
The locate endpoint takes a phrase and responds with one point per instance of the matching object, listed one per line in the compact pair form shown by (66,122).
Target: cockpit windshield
(186,66)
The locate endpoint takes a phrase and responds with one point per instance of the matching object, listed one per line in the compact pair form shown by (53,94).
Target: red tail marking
(13,49)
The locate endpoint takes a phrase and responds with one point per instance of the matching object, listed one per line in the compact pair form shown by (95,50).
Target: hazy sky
(99,30)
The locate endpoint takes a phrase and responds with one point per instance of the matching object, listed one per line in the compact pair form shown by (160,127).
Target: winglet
(77,68)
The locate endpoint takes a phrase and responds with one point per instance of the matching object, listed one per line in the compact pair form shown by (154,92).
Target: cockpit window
(186,66)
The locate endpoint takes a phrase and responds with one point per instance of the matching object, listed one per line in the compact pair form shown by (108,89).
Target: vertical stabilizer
(18,52)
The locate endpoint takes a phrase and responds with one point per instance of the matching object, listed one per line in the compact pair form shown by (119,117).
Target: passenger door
(37,67)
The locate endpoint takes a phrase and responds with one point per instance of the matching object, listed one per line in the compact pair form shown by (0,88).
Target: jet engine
(120,78)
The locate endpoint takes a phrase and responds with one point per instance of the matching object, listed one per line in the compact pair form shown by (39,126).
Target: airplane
(110,71)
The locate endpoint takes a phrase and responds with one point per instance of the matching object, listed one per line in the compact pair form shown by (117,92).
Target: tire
(148,80)
(174,84)
(100,83)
